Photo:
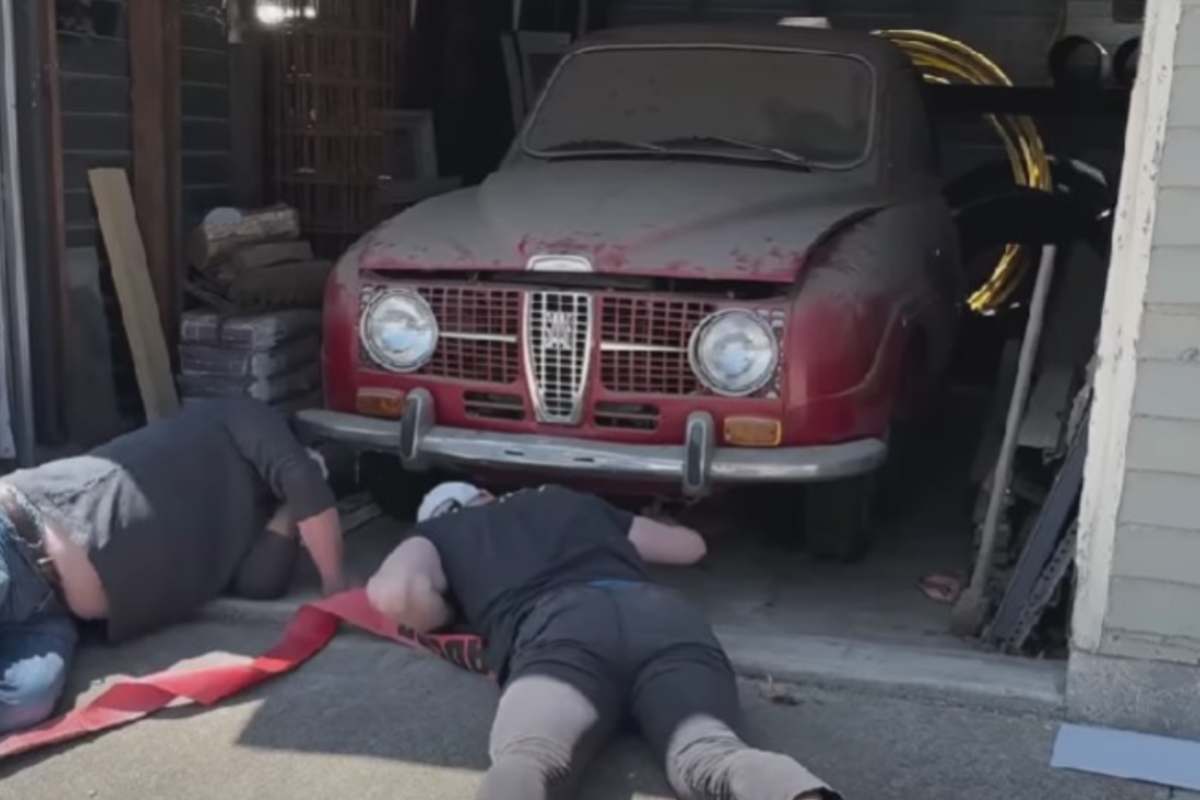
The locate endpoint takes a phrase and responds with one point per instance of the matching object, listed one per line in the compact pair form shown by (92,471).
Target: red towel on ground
(312,627)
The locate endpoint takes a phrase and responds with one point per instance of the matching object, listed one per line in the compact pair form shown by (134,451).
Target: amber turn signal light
(380,403)
(753,432)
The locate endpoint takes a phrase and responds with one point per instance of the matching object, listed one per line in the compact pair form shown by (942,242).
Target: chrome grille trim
(644,343)
(479,337)
(623,347)
(558,353)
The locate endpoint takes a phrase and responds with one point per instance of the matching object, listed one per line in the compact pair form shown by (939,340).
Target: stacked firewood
(255,260)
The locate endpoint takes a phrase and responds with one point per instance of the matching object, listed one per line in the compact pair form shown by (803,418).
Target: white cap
(446,497)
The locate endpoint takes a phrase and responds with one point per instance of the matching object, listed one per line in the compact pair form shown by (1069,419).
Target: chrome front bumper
(696,466)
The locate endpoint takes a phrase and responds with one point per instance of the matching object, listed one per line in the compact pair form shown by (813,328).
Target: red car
(714,256)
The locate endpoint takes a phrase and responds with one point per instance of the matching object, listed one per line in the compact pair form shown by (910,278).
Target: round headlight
(734,352)
(399,330)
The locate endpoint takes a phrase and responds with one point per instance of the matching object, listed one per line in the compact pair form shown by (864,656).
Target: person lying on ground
(144,530)
(581,638)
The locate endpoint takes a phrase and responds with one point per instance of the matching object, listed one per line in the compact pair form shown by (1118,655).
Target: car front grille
(479,330)
(558,346)
(501,335)
(644,344)
(629,416)
(493,406)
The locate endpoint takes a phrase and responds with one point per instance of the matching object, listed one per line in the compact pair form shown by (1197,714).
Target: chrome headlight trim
(379,354)
(706,374)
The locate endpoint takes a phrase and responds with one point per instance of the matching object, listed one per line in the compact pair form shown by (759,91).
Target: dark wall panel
(207,165)
(94,86)
(96,108)
(1015,33)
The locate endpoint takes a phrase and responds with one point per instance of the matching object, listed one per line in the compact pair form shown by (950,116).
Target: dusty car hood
(635,217)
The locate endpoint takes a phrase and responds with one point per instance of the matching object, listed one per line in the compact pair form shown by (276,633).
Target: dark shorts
(637,647)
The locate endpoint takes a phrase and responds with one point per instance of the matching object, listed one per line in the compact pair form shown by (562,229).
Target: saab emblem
(558,331)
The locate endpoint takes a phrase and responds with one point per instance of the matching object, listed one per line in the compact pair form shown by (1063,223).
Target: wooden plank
(139,307)
(154,55)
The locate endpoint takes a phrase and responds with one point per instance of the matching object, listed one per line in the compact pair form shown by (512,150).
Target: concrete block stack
(259,332)
(273,357)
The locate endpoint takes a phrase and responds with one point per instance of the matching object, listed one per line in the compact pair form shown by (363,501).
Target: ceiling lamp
(273,13)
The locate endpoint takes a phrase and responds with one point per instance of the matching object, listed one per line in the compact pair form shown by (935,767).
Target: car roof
(875,49)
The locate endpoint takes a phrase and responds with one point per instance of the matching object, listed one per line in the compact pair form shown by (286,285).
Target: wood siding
(1154,601)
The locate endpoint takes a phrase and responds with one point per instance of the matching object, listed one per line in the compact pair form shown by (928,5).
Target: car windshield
(788,106)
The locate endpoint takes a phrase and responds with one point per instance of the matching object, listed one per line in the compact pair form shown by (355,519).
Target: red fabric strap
(312,627)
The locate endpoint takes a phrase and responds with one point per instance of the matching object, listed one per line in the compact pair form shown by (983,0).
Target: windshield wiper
(777,153)
(577,145)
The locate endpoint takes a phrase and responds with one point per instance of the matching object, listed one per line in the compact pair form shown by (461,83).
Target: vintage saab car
(712,257)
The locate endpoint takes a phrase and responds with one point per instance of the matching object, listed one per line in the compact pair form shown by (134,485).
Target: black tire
(838,517)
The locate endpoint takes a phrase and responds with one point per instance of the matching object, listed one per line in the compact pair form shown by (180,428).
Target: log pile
(255,260)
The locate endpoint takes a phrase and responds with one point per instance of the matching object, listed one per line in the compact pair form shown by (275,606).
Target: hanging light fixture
(273,13)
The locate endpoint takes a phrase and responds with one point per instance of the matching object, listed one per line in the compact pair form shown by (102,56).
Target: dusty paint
(708,219)
(849,248)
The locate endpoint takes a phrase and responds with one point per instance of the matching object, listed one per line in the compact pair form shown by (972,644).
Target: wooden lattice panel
(330,79)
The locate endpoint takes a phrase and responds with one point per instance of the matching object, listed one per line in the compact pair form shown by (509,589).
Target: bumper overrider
(697,465)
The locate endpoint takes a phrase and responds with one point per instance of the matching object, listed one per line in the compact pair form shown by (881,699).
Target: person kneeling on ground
(145,529)
(581,638)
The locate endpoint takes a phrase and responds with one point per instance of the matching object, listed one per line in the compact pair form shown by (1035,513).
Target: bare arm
(322,537)
(659,543)
(409,585)
(262,436)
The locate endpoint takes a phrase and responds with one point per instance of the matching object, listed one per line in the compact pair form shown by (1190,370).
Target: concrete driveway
(367,719)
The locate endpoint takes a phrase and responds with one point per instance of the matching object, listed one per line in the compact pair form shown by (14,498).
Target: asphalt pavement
(368,719)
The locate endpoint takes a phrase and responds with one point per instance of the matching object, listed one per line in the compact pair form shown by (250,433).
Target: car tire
(838,517)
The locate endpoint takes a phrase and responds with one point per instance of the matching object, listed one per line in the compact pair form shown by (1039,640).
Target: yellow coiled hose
(944,60)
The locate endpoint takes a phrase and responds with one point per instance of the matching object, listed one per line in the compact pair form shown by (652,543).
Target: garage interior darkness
(454,58)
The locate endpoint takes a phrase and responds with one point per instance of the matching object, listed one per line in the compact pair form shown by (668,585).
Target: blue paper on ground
(1124,754)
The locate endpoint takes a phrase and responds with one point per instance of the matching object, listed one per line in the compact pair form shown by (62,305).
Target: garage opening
(589,267)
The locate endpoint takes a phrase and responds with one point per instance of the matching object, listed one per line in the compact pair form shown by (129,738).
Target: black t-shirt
(500,557)
(168,511)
